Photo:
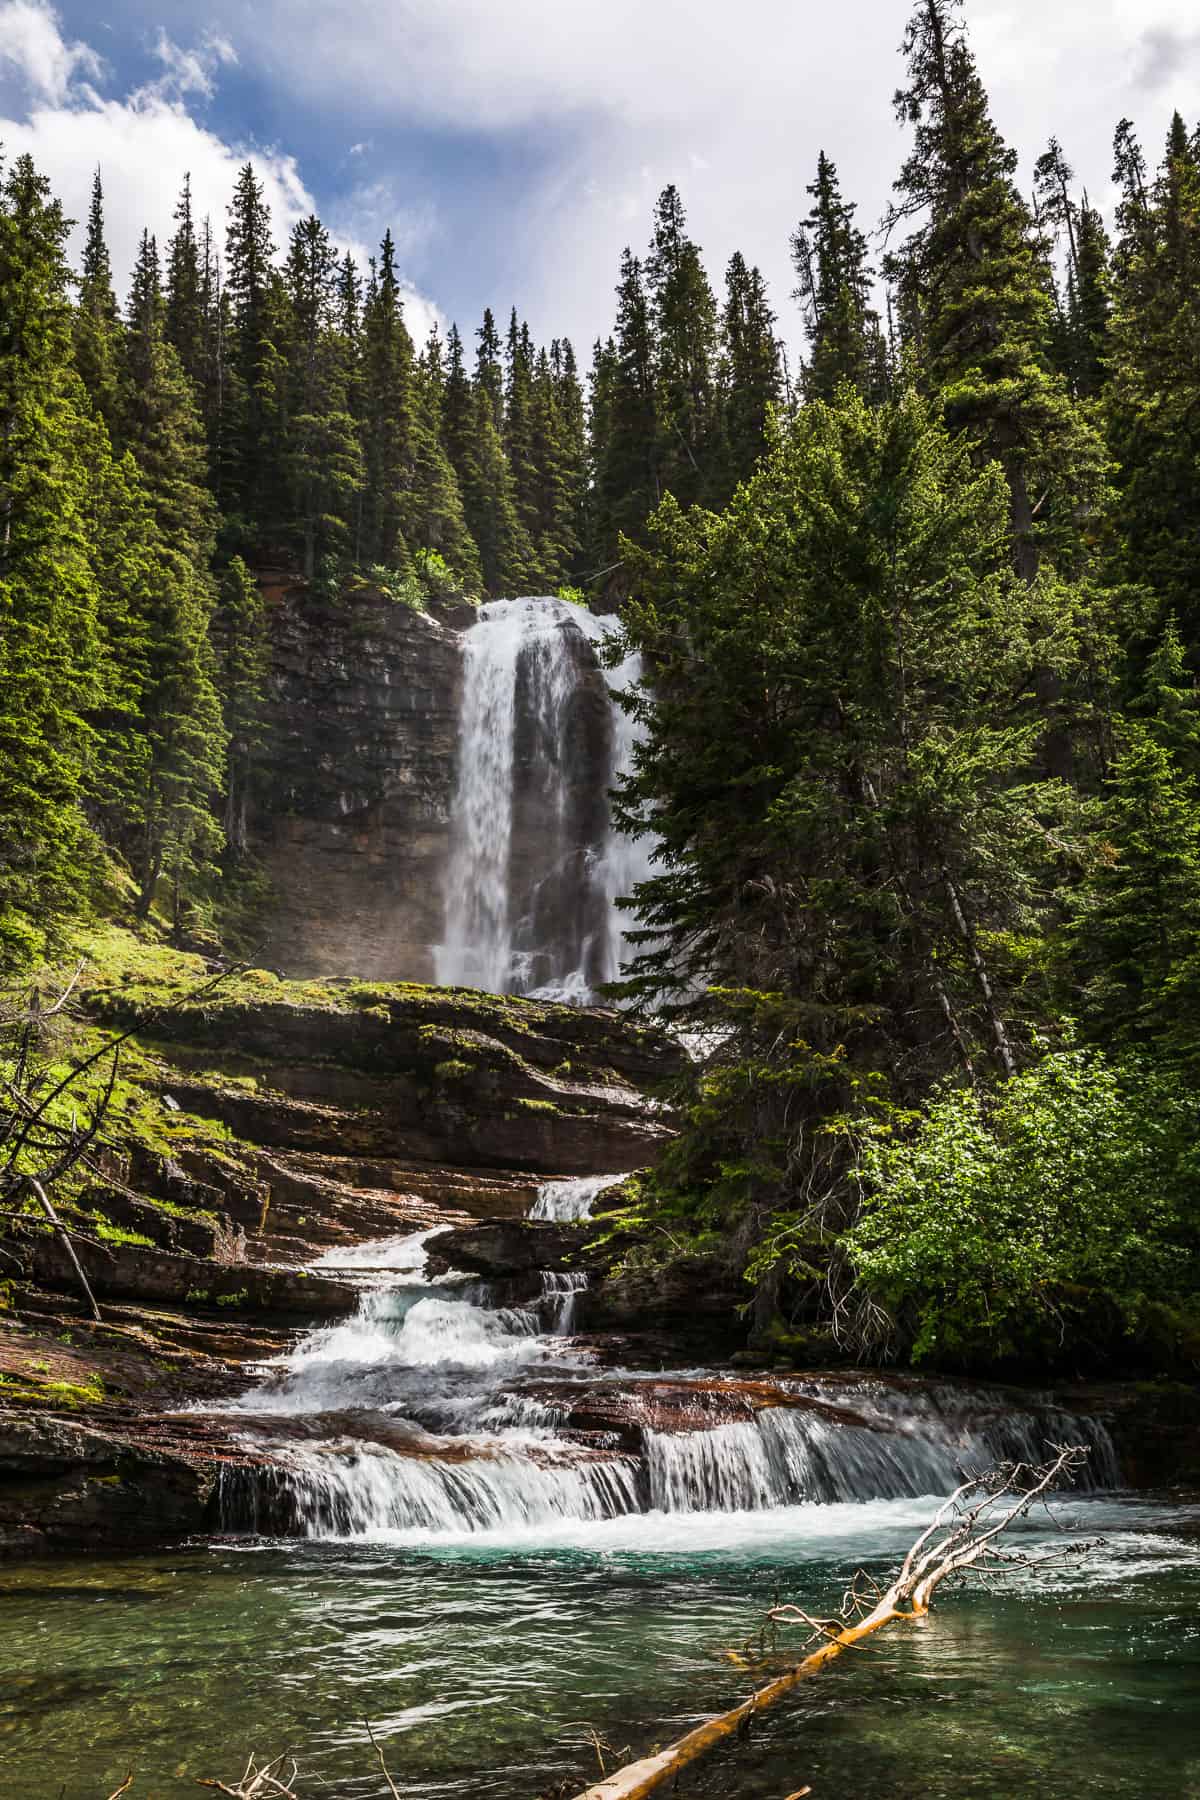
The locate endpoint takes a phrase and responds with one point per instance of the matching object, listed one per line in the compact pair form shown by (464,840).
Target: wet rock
(352,803)
(65,1485)
(508,1248)
(132,1272)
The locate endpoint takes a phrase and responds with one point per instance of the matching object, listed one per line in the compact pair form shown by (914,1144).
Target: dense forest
(922,625)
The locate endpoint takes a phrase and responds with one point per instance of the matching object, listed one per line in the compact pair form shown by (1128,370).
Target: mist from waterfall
(536,866)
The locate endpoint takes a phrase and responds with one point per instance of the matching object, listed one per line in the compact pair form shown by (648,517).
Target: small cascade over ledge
(442,1408)
(536,865)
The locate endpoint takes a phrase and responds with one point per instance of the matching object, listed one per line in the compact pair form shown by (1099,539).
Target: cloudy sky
(514,146)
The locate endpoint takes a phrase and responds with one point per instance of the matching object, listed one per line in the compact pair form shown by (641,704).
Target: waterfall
(535,865)
(432,1411)
(571,1199)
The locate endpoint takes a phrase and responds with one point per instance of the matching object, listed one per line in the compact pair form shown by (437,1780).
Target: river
(488,1584)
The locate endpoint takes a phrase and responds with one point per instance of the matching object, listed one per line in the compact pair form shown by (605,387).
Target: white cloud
(732,102)
(33,48)
(143,143)
(189,71)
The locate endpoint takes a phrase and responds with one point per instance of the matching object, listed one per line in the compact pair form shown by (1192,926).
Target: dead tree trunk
(962,1533)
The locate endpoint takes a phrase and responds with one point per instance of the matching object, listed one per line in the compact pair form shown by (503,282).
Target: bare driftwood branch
(378,1749)
(260,1783)
(68,1246)
(962,1534)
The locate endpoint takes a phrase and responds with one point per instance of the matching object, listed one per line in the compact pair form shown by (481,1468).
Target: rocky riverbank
(263,1129)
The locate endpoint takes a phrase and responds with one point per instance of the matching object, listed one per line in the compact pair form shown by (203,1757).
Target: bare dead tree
(47,1128)
(964,1534)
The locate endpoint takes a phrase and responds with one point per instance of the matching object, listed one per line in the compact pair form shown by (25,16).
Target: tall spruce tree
(477,457)
(97,325)
(627,481)
(248,478)
(1153,397)
(684,314)
(185,323)
(489,369)
(243,649)
(749,376)
(49,648)
(321,453)
(833,276)
(387,414)
(173,831)
(973,288)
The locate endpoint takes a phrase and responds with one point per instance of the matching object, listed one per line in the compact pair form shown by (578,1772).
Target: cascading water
(431,1412)
(536,866)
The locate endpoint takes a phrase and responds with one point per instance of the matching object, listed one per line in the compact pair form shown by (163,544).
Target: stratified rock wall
(351,810)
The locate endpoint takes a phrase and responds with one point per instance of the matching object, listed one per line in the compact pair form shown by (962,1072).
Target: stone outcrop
(351,810)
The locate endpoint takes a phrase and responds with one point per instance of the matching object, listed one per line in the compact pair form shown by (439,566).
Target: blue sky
(514,148)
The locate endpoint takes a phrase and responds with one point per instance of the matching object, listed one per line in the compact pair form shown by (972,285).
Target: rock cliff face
(351,810)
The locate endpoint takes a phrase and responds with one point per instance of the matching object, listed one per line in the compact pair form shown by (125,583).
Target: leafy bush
(1064,1191)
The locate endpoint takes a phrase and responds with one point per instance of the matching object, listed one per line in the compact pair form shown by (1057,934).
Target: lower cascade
(436,1411)
(536,864)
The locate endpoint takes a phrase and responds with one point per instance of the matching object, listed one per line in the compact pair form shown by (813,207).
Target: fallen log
(962,1534)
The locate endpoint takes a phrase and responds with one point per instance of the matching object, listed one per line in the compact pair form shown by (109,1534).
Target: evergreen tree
(573,434)
(1090,305)
(387,427)
(974,293)
(518,434)
(628,485)
(321,451)
(684,315)
(829,254)
(477,457)
(248,475)
(1153,397)
(185,323)
(172,832)
(49,651)
(97,329)
(243,662)
(432,505)
(750,382)
(556,486)
(489,370)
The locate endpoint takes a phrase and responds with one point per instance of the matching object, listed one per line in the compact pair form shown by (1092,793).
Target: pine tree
(684,315)
(1153,396)
(387,422)
(243,650)
(974,292)
(555,489)
(477,457)
(185,324)
(829,255)
(628,485)
(519,425)
(573,430)
(321,452)
(173,832)
(489,370)
(49,649)
(432,505)
(750,382)
(1092,304)
(97,318)
(248,478)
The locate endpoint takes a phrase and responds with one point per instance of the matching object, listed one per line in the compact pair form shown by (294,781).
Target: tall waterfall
(536,866)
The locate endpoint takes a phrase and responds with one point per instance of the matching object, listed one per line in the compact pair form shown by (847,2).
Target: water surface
(483,1661)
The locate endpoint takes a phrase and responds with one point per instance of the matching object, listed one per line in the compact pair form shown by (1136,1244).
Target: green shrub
(1068,1190)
